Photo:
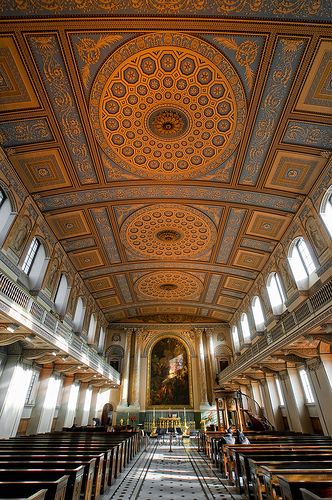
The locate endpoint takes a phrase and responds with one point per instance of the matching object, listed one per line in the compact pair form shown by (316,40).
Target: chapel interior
(165,215)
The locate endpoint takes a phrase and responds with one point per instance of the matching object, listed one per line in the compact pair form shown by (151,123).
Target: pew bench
(10,491)
(55,490)
(290,485)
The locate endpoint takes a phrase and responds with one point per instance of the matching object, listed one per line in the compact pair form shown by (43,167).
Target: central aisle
(159,473)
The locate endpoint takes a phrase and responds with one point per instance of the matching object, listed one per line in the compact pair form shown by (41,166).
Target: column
(267,402)
(201,361)
(93,404)
(43,412)
(209,353)
(125,372)
(136,369)
(84,402)
(67,410)
(14,384)
(274,402)
(320,376)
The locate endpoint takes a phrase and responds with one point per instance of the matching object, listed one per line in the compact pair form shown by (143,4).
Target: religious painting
(169,373)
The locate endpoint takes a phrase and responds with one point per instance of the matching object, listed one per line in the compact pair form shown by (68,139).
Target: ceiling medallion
(168,123)
(169,231)
(167,106)
(169,285)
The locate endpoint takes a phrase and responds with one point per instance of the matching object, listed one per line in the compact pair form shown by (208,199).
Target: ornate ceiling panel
(168,144)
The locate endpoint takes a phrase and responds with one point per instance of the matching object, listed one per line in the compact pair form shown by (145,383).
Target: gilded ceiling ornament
(169,285)
(169,231)
(89,50)
(168,6)
(227,6)
(245,54)
(168,106)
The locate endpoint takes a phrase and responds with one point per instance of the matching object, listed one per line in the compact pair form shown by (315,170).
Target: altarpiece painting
(169,374)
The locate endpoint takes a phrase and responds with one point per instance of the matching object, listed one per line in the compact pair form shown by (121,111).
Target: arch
(325,210)
(223,356)
(107,414)
(79,315)
(157,336)
(276,293)
(7,211)
(302,263)
(169,373)
(62,294)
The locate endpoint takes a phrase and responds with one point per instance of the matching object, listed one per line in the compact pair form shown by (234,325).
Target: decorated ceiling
(168,144)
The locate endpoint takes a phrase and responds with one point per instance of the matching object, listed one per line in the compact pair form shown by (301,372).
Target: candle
(184,412)
(154,414)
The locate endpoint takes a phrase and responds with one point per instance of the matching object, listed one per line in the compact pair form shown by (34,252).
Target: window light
(281,398)
(275,291)
(235,335)
(245,327)
(257,312)
(302,264)
(31,255)
(3,197)
(306,386)
(326,210)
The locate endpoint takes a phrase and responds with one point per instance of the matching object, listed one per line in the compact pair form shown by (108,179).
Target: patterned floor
(170,472)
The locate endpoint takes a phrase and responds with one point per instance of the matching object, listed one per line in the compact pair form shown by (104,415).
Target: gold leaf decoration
(89,51)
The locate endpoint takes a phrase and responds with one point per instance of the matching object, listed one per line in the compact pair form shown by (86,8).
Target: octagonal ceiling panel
(173,109)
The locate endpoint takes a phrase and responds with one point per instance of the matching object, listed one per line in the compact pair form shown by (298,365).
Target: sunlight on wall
(102,399)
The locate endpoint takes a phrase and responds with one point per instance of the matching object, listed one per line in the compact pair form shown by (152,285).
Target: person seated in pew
(96,421)
(240,438)
(227,438)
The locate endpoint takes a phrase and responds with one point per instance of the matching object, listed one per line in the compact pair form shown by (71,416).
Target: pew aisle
(182,474)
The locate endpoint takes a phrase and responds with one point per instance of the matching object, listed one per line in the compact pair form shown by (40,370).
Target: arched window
(6,214)
(235,337)
(326,210)
(276,293)
(257,313)
(79,315)
(61,296)
(245,327)
(92,329)
(34,264)
(301,263)
(101,341)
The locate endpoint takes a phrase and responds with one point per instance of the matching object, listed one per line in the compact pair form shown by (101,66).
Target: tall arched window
(34,264)
(276,293)
(301,263)
(101,341)
(326,210)
(92,329)
(257,313)
(6,214)
(235,338)
(245,327)
(61,296)
(79,315)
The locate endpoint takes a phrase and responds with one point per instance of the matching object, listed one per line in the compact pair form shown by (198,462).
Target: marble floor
(170,472)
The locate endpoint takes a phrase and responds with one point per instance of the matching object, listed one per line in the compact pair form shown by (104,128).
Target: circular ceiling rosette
(167,106)
(169,285)
(168,231)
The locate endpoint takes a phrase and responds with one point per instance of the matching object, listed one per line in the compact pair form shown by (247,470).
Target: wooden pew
(16,462)
(321,484)
(256,471)
(74,476)
(65,454)
(55,490)
(309,495)
(10,491)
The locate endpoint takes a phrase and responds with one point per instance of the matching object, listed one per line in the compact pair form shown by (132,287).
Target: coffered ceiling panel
(169,144)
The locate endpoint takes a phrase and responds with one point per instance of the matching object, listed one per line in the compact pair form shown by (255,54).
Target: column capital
(313,364)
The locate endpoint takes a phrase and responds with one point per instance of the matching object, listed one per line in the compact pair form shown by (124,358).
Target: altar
(169,422)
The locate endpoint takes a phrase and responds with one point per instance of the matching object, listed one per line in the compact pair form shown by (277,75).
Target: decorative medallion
(169,285)
(167,106)
(169,231)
